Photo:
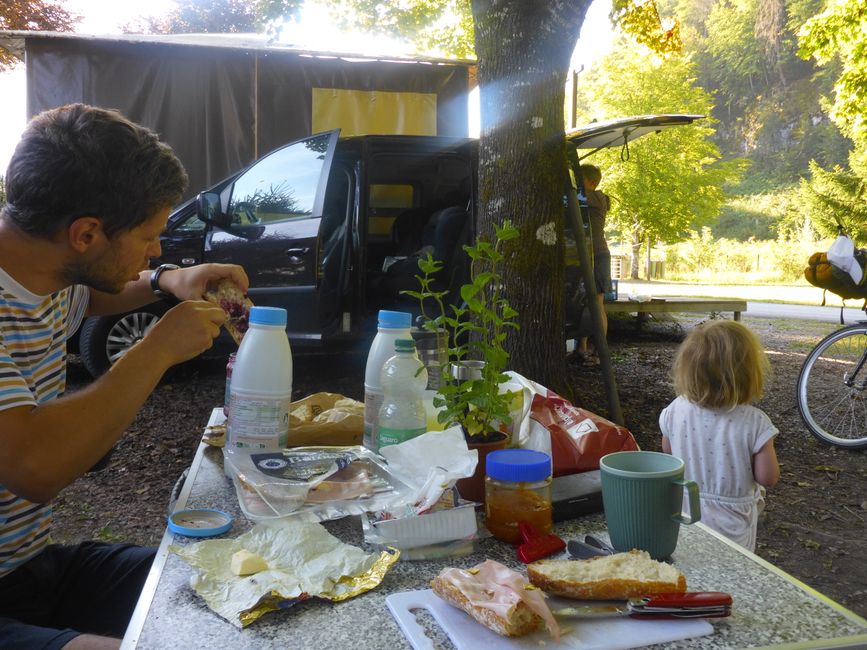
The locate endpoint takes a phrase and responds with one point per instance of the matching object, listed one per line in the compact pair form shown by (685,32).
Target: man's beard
(92,274)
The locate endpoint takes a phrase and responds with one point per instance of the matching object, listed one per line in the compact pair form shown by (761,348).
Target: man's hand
(191,283)
(185,331)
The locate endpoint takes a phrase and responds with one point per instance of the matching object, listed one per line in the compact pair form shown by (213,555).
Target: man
(88,195)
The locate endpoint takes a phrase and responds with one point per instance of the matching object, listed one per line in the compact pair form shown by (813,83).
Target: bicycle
(832,388)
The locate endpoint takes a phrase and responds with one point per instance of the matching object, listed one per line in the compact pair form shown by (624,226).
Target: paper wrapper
(326,419)
(304,561)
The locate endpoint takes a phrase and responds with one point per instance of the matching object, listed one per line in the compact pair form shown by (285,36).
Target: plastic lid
(268,316)
(404,345)
(394,319)
(200,522)
(518,465)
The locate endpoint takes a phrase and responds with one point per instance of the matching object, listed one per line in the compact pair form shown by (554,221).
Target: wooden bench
(676,304)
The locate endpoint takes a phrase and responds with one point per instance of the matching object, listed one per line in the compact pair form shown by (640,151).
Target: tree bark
(524,49)
(636,255)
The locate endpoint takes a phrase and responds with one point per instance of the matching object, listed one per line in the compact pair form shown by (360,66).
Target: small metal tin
(200,522)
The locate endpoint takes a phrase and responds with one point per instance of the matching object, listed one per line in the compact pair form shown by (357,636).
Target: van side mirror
(208,209)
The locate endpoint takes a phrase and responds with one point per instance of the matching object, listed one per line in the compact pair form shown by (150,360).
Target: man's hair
(720,364)
(79,160)
(591,173)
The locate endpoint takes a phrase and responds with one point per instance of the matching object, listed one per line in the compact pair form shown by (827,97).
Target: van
(331,229)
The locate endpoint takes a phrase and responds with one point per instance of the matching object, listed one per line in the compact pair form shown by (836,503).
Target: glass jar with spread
(517,488)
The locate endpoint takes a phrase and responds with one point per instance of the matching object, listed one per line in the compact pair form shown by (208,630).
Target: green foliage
(762,215)
(705,259)
(2,191)
(837,196)
(671,181)
(220,16)
(476,331)
(436,27)
(35,15)
(839,33)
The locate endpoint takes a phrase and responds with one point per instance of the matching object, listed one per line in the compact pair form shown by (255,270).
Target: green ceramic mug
(642,493)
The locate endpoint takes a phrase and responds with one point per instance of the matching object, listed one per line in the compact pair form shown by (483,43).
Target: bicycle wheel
(832,388)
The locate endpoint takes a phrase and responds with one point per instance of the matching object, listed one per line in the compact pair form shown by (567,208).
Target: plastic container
(393,325)
(260,393)
(403,379)
(517,488)
(230,365)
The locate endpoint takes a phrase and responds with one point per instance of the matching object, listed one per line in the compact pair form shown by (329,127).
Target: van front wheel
(105,339)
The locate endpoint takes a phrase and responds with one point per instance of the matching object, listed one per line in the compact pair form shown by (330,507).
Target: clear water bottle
(260,393)
(403,378)
(393,325)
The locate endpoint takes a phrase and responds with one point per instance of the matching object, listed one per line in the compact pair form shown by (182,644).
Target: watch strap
(155,279)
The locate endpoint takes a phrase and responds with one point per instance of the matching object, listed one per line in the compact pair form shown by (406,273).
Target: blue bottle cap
(200,522)
(268,316)
(394,319)
(518,465)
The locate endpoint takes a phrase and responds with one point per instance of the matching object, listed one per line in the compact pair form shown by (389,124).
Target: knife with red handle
(690,604)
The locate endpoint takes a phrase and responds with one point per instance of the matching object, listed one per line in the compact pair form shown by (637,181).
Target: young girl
(727,446)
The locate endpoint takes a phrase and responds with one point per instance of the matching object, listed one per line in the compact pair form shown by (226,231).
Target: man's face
(125,255)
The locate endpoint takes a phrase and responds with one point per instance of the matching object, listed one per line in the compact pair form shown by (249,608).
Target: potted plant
(470,390)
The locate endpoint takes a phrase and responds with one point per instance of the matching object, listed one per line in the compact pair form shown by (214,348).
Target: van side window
(281,186)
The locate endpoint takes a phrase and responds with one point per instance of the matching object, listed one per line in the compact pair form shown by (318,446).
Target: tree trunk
(523,51)
(636,255)
(649,258)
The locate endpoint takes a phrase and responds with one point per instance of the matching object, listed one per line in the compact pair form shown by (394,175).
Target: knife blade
(691,604)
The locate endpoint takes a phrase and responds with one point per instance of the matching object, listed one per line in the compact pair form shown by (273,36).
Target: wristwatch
(155,279)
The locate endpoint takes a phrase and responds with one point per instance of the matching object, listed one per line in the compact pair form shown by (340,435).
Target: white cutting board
(586,634)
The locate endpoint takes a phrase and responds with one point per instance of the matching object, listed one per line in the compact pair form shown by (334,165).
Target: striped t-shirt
(33,332)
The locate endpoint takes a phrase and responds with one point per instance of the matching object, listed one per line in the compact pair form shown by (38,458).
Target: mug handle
(694,506)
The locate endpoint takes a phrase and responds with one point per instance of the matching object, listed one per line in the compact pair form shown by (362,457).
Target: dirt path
(815,526)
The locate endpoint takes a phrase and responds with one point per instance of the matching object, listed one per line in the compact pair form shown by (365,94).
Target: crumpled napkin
(304,561)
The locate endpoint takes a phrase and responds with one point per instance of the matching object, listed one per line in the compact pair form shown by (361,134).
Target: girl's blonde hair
(720,364)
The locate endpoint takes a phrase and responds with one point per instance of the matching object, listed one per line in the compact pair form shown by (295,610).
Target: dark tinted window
(281,186)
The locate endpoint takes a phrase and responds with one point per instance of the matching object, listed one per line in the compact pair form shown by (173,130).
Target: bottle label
(258,423)
(372,404)
(387,436)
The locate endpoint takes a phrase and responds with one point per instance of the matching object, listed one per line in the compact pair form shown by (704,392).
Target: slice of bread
(519,621)
(608,577)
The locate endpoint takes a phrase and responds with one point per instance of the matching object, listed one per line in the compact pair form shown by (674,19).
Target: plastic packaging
(230,365)
(260,394)
(393,325)
(517,488)
(325,483)
(403,378)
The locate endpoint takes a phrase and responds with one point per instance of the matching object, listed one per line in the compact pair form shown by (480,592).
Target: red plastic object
(536,545)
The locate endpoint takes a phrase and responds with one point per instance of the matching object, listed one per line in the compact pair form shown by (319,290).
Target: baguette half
(608,577)
(497,597)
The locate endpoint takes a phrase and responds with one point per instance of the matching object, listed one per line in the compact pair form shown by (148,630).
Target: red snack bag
(579,438)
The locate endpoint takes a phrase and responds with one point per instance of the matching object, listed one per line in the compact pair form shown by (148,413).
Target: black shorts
(602,273)
(65,591)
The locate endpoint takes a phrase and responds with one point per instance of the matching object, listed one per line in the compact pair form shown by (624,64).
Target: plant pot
(472,488)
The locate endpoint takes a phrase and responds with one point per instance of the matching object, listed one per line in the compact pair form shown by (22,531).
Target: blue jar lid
(394,319)
(268,316)
(200,522)
(518,465)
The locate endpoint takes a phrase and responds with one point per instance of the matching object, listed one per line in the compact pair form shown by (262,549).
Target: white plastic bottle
(403,378)
(260,394)
(393,325)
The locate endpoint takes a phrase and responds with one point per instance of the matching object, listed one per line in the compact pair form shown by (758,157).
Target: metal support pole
(578,215)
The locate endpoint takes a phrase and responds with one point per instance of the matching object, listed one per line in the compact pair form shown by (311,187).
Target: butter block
(245,563)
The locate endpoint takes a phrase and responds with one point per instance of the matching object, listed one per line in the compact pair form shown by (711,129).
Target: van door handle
(296,255)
